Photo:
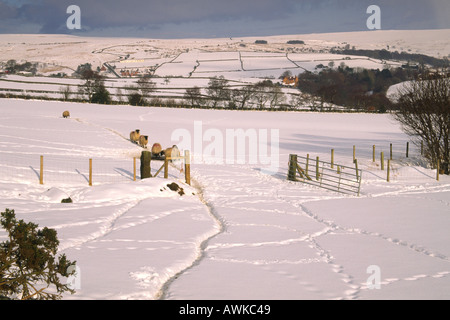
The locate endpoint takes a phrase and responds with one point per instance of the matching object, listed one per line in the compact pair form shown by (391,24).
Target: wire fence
(50,170)
(402,163)
(396,162)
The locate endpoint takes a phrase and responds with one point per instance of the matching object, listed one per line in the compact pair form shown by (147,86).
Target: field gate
(325,175)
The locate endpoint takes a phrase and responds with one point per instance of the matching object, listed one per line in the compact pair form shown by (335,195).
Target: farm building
(290,81)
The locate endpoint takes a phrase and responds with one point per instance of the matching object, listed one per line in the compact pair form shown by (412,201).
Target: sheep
(143,141)
(157,149)
(172,152)
(135,135)
(66,114)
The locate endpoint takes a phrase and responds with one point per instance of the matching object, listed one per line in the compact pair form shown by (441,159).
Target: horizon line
(82,35)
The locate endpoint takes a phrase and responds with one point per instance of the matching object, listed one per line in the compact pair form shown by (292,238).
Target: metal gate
(325,175)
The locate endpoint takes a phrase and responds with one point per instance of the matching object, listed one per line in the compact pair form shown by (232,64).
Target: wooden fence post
(390,152)
(382,160)
(388,170)
(332,158)
(187,166)
(292,174)
(307,164)
(41,171)
(356,167)
(166,168)
(90,172)
(373,154)
(317,169)
(407,149)
(146,157)
(438,168)
(354,154)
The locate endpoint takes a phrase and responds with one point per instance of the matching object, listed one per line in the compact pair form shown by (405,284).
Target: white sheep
(157,149)
(173,152)
(143,141)
(135,135)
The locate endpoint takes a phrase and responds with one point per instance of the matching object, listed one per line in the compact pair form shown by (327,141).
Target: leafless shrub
(423,109)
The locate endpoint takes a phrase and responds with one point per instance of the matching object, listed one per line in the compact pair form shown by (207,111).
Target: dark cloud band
(245,16)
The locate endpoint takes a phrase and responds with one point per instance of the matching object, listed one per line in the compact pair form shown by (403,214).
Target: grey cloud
(247,16)
(140,12)
(6,11)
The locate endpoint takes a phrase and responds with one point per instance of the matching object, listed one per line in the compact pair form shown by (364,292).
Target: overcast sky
(218,18)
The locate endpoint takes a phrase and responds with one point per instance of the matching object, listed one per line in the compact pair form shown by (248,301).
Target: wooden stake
(354,154)
(187,166)
(332,158)
(373,154)
(407,149)
(390,152)
(317,169)
(438,168)
(166,168)
(41,171)
(382,160)
(388,170)
(307,164)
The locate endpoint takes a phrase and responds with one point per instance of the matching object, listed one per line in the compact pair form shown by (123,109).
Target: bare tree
(194,96)
(277,97)
(241,97)
(266,92)
(217,91)
(93,83)
(261,94)
(119,95)
(306,100)
(423,109)
(299,101)
(66,92)
(146,86)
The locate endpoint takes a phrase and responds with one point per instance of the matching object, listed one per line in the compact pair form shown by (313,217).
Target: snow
(186,63)
(241,231)
(237,232)
(179,57)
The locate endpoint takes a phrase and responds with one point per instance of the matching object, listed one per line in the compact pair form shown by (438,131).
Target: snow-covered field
(238,232)
(241,231)
(179,57)
(54,49)
(185,63)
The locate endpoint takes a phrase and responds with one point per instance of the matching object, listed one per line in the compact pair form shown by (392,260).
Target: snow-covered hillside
(239,232)
(63,53)
(177,65)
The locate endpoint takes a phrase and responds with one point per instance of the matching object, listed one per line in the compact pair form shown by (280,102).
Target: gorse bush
(29,268)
